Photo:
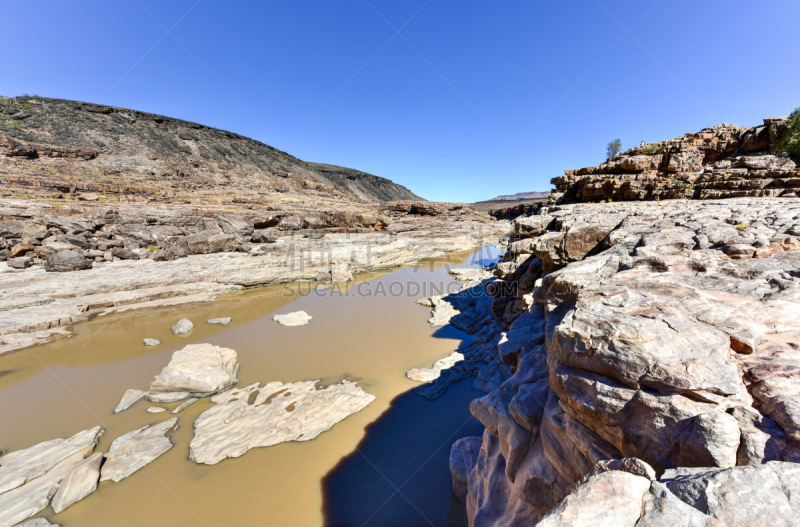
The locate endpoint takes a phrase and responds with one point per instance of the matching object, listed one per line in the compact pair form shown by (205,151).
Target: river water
(386,465)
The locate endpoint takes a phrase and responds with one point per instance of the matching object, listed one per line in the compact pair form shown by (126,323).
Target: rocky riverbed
(305,382)
(665,333)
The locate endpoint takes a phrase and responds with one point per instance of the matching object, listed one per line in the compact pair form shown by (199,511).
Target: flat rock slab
(254,416)
(183,326)
(297,318)
(156,410)
(129,399)
(223,321)
(134,450)
(79,483)
(151,342)
(30,477)
(198,370)
(39,522)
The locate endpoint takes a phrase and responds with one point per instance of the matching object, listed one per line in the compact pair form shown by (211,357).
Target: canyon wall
(723,161)
(654,368)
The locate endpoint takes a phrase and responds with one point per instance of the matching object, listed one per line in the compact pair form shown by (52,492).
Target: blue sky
(457,100)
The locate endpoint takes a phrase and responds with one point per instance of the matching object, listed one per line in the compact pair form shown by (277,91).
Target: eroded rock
(132,451)
(198,370)
(260,416)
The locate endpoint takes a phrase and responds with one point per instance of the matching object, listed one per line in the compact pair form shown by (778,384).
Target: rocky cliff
(723,161)
(649,369)
(53,145)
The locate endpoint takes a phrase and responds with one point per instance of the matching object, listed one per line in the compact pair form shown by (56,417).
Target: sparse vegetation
(651,149)
(742,226)
(613,148)
(790,140)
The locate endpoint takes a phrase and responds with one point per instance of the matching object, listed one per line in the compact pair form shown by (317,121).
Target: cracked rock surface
(667,332)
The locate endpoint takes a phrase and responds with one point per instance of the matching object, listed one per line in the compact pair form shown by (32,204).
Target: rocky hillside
(52,146)
(643,368)
(723,161)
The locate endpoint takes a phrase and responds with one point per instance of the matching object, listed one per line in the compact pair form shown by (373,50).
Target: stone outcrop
(723,161)
(30,478)
(36,305)
(260,416)
(666,332)
(136,449)
(198,370)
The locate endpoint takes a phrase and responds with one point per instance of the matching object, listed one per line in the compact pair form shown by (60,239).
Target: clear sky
(457,100)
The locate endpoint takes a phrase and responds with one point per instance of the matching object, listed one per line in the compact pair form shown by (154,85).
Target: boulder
(198,370)
(151,342)
(264,236)
(296,318)
(183,326)
(67,261)
(222,321)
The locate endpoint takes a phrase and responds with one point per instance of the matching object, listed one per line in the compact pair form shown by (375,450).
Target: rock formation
(29,478)
(723,161)
(198,370)
(134,450)
(666,332)
(260,416)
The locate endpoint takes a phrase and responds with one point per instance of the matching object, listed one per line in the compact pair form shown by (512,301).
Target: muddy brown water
(374,333)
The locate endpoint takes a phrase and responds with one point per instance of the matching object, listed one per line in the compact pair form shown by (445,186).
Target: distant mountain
(522,195)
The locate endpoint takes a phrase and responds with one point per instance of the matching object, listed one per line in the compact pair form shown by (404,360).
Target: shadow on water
(399,475)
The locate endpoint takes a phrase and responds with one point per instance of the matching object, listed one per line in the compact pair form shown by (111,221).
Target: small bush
(651,149)
(742,226)
(790,141)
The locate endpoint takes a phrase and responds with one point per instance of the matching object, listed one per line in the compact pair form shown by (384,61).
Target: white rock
(129,399)
(198,370)
(297,318)
(38,522)
(224,321)
(132,451)
(156,409)
(185,404)
(277,412)
(79,483)
(431,374)
(183,326)
(151,342)
(30,477)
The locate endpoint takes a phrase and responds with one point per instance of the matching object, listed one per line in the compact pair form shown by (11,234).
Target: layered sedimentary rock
(134,450)
(29,478)
(37,304)
(722,161)
(260,416)
(667,332)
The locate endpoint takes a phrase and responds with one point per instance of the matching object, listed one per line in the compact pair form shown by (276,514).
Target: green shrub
(790,141)
(651,149)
